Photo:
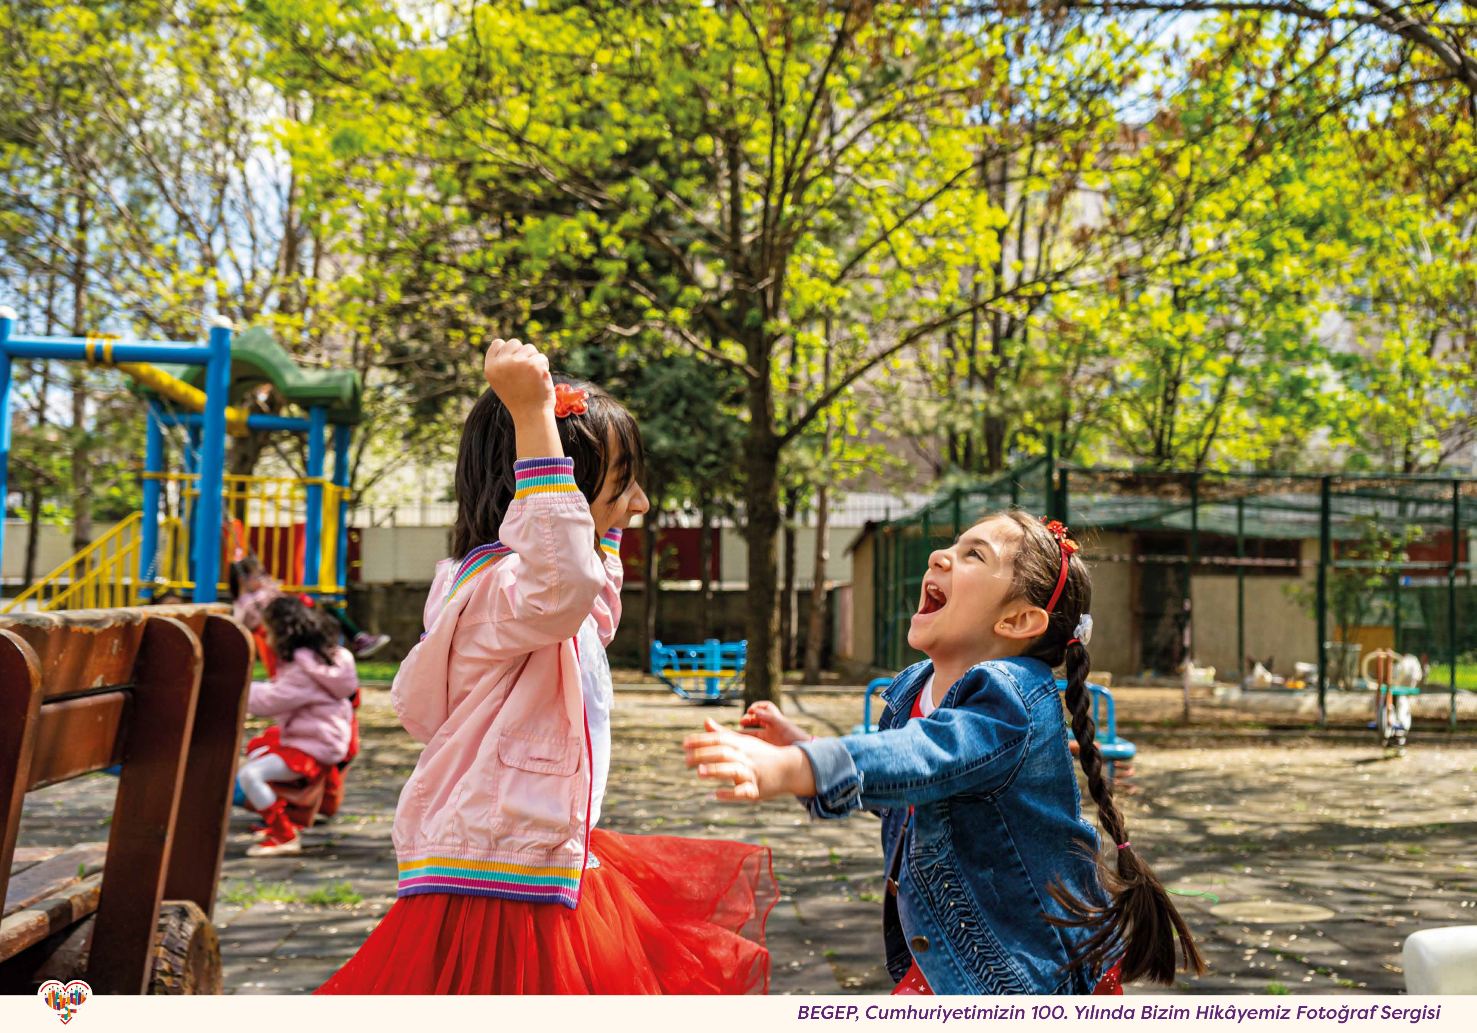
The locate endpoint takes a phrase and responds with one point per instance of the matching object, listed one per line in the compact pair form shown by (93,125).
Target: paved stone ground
(1233,810)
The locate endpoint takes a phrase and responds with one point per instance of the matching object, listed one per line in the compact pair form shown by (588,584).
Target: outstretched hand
(755,769)
(765,720)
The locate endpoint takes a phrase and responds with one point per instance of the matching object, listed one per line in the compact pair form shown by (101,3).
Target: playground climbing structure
(197,518)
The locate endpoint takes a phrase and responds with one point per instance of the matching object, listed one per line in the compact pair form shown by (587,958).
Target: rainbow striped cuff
(542,476)
(489,879)
(611,543)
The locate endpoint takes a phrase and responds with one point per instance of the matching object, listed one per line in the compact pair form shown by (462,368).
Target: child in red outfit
(507,884)
(310,696)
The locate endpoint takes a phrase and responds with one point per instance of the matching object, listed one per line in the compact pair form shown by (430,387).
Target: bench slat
(50,877)
(81,649)
(77,737)
(33,924)
(25,856)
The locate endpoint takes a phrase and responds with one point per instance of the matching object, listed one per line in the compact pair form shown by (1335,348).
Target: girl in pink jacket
(310,698)
(506,882)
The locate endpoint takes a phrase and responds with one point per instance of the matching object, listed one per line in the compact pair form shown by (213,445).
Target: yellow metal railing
(93,577)
(106,573)
(266,516)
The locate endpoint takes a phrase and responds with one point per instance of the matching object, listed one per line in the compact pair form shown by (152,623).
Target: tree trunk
(38,493)
(33,528)
(815,629)
(762,505)
(815,633)
(789,598)
(650,578)
(995,431)
(705,575)
(81,452)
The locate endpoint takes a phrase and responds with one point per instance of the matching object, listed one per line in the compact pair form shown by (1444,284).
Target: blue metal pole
(148,549)
(255,421)
(80,349)
(318,418)
(7,318)
(341,437)
(212,464)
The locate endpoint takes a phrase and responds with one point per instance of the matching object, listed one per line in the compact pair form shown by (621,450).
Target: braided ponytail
(1139,924)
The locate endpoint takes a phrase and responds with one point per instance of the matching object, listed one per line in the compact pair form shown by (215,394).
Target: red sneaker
(281,838)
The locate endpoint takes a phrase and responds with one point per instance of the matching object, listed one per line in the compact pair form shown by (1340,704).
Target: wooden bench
(718,665)
(162,693)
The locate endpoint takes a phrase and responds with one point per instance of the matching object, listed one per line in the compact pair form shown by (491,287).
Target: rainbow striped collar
(473,563)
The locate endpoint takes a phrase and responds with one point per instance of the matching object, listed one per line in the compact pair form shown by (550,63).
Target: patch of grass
(377,670)
(1347,984)
(1276,989)
(341,894)
(835,857)
(870,898)
(245,895)
(240,895)
(369,670)
(1415,848)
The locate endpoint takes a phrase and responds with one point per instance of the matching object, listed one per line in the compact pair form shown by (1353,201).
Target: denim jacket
(996,819)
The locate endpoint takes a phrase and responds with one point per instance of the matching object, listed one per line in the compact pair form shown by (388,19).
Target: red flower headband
(1064,539)
(570,401)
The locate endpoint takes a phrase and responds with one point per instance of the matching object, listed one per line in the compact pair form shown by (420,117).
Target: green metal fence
(1318,567)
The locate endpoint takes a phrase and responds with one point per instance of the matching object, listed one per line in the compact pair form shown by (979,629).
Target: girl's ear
(1022,621)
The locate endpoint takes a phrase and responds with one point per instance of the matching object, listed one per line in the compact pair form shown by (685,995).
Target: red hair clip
(570,401)
(1058,530)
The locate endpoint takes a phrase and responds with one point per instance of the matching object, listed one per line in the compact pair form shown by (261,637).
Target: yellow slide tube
(176,390)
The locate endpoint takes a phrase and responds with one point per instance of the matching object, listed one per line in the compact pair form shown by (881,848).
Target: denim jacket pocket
(930,831)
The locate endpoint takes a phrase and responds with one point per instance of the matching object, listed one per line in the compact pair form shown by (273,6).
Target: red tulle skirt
(303,764)
(914,983)
(660,915)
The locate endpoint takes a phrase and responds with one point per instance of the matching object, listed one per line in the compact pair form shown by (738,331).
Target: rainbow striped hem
(542,476)
(490,879)
(611,543)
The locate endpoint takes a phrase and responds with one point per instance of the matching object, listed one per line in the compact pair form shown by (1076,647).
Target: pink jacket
(499,802)
(310,700)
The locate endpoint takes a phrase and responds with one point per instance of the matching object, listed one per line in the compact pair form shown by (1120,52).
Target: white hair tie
(1083,633)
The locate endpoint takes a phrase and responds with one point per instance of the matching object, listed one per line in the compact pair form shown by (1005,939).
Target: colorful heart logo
(64,998)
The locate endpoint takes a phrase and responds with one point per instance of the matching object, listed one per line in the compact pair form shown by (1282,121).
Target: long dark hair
(242,571)
(484,463)
(1140,920)
(296,625)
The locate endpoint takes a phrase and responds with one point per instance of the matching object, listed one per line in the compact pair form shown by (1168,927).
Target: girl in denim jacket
(995,883)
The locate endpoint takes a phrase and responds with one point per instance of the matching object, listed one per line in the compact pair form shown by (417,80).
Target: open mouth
(933,601)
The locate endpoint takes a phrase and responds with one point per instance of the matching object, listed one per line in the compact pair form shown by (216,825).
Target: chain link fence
(1283,581)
